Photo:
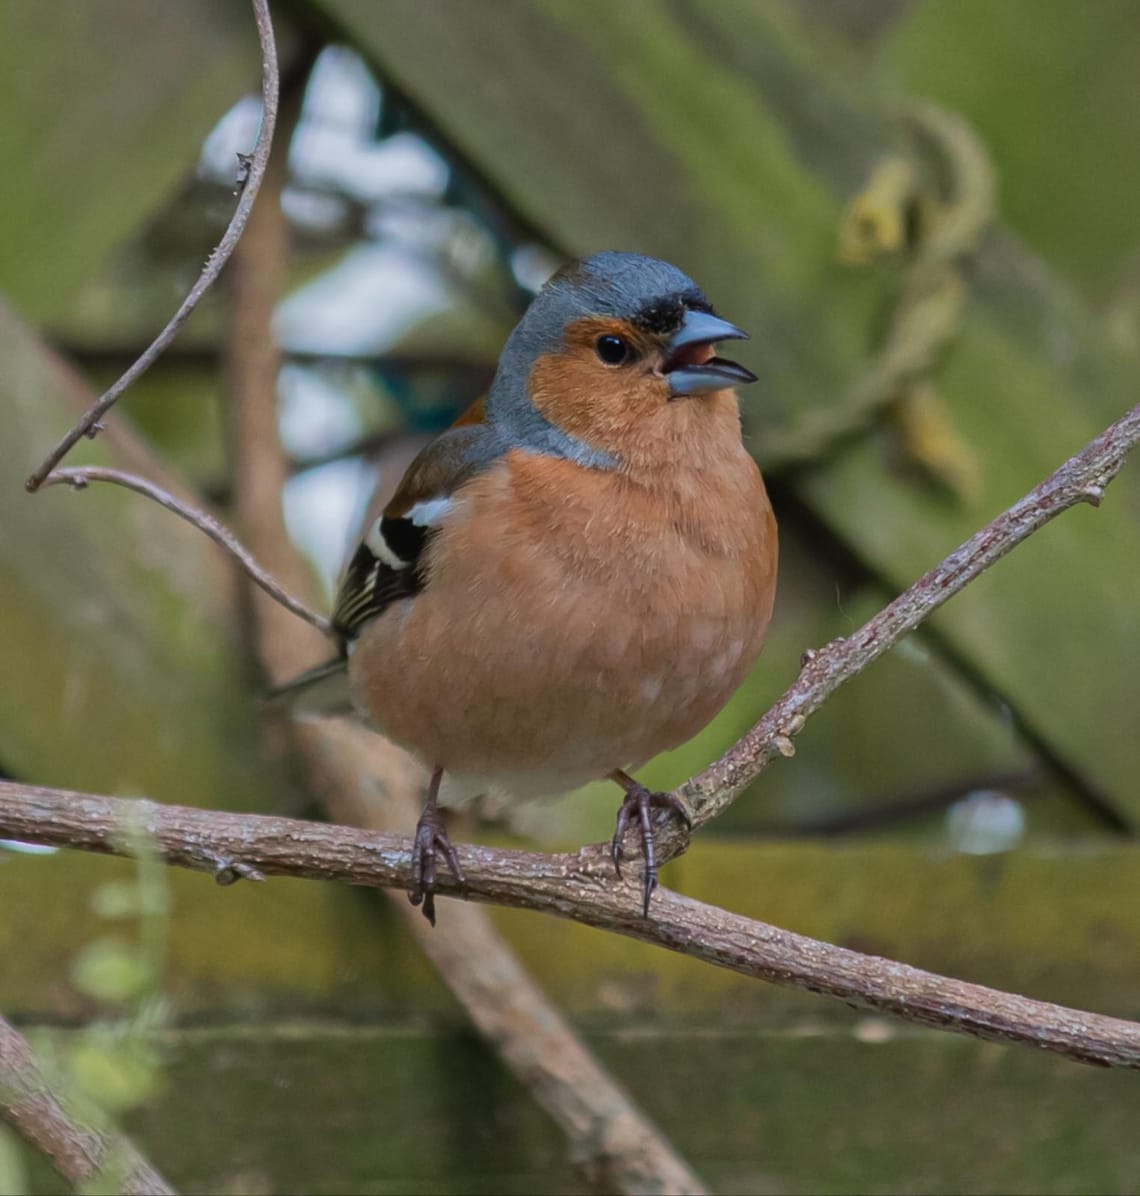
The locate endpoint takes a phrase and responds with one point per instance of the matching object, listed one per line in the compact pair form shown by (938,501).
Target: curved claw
(431,838)
(639,802)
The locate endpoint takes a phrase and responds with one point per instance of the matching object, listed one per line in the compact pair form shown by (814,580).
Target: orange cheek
(591,401)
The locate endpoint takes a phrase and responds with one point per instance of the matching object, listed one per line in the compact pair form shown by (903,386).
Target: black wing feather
(398,569)
(371,585)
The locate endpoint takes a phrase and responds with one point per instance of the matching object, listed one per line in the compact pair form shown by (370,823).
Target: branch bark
(579,885)
(77,1151)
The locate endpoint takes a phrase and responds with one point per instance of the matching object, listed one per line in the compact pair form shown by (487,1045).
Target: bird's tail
(319,691)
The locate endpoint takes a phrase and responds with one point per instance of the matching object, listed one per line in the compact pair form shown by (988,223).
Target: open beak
(691,366)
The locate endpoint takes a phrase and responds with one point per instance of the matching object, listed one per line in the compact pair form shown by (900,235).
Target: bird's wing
(390,562)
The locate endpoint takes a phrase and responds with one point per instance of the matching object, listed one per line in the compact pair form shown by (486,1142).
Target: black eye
(612,349)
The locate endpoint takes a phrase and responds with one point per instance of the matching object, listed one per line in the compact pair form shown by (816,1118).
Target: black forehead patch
(665,313)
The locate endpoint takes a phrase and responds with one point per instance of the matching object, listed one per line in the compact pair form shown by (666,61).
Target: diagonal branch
(580,886)
(77,1151)
(1083,478)
(253,171)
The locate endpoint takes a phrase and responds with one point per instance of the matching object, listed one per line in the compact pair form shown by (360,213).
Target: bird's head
(612,345)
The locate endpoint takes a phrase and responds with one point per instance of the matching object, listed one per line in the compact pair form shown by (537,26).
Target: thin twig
(79,1153)
(581,886)
(90,424)
(80,477)
(1082,478)
(252,361)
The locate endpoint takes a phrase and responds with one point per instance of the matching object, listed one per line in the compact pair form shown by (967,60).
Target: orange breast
(575,621)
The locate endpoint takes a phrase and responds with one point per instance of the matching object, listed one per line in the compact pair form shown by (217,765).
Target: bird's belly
(539,701)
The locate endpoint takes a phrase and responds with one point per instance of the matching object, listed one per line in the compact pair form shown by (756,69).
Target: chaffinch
(579,573)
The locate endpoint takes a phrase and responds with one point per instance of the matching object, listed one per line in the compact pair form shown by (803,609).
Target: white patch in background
(314,414)
(27,848)
(314,211)
(234,134)
(322,511)
(334,148)
(401,166)
(342,93)
(985,822)
(533,265)
(363,305)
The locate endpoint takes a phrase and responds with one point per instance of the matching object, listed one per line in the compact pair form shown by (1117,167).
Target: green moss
(1061,926)
(88,158)
(344,1109)
(1051,88)
(1053,628)
(123,667)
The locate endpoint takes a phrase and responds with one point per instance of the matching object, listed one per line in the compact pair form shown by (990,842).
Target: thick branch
(78,1152)
(90,424)
(580,886)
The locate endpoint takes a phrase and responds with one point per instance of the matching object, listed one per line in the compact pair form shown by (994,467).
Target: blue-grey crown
(628,285)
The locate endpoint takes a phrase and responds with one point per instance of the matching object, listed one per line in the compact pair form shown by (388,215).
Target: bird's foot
(639,802)
(430,843)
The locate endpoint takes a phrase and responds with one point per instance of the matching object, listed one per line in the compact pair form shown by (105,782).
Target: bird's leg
(639,803)
(431,836)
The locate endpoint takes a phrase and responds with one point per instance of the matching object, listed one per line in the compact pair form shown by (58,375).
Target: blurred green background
(925,212)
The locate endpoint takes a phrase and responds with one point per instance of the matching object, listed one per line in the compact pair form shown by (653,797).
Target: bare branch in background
(252,172)
(580,886)
(80,477)
(363,780)
(609,1137)
(77,1151)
